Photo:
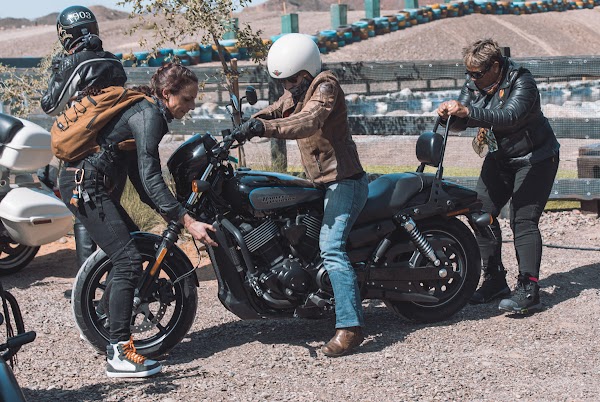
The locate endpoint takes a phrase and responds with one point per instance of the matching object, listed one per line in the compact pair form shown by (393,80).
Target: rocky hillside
(567,33)
(101,12)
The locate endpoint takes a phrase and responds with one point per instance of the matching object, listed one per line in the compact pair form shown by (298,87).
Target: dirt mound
(535,35)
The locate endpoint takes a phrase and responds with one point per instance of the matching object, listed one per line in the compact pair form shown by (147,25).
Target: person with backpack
(521,154)
(85,186)
(312,110)
(85,64)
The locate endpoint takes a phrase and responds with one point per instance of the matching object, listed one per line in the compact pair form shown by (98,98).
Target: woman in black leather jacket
(85,64)
(174,89)
(502,99)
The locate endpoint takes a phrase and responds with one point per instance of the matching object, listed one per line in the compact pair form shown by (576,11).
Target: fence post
(231,28)
(278,146)
(289,23)
(371,8)
(339,15)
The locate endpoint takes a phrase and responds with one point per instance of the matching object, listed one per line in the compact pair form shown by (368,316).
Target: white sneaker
(123,361)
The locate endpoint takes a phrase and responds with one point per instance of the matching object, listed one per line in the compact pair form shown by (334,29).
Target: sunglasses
(478,74)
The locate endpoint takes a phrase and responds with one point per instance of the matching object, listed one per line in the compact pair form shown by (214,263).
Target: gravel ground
(479,354)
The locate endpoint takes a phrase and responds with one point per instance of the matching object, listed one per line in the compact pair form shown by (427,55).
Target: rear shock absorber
(420,241)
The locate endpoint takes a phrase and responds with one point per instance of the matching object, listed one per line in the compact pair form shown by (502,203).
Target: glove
(249,129)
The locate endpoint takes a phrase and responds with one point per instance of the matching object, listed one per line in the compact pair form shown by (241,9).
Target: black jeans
(529,187)
(109,226)
(84,245)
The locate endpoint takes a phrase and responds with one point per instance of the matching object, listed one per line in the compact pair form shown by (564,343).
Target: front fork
(149,276)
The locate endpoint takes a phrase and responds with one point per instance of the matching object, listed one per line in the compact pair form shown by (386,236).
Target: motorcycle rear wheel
(453,291)
(157,326)
(14,256)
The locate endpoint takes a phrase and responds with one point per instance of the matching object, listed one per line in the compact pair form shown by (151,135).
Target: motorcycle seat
(390,193)
(9,126)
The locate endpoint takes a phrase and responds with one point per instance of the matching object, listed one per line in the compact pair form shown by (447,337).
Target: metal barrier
(442,78)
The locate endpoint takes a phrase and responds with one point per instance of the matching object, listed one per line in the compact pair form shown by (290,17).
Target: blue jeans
(343,202)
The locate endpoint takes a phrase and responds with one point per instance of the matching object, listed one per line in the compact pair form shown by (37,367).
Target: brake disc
(148,323)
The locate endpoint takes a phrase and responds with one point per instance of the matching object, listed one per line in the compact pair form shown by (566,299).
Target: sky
(32,9)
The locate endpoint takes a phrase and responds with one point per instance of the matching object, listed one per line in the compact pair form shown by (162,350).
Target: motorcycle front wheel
(454,239)
(159,323)
(14,256)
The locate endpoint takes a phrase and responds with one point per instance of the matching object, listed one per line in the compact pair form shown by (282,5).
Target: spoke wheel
(158,323)
(459,246)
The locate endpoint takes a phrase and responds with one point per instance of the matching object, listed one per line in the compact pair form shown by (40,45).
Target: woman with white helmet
(313,111)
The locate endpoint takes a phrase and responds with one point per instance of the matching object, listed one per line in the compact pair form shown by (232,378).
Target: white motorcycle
(30,213)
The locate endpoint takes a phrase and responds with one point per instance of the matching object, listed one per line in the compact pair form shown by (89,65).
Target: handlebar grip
(21,339)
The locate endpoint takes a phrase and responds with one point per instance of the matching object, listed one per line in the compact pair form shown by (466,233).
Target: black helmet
(74,24)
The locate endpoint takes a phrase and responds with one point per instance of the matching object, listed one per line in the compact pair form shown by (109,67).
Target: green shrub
(144,216)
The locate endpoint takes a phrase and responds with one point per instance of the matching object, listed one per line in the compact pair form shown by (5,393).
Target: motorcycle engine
(282,250)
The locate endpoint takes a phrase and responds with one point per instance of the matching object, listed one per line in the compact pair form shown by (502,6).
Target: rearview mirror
(251,95)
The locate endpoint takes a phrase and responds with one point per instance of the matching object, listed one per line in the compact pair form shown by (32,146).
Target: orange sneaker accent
(131,354)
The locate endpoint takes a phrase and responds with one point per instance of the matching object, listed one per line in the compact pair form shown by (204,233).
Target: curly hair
(172,76)
(482,53)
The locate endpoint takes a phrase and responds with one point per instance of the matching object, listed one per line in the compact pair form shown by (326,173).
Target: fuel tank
(256,191)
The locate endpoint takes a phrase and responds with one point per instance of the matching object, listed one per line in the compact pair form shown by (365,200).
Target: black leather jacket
(73,73)
(513,113)
(146,123)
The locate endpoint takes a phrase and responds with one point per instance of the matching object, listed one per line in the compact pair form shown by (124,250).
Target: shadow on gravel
(96,392)
(61,263)
(569,285)
(160,384)
(555,289)
(382,329)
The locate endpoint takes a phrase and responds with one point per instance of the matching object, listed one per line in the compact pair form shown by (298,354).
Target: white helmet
(293,53)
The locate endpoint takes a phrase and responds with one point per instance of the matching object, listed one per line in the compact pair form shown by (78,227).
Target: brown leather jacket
(319,124)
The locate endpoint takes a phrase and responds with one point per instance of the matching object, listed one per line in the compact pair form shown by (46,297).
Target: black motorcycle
(12,320)
(409,248)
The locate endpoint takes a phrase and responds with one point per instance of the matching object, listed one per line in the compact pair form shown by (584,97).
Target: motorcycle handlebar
(19,340)
(221,150)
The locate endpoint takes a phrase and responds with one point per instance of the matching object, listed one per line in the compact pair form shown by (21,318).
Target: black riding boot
(525,299)
(494,285)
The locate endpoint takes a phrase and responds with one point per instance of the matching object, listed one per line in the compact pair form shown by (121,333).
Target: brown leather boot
(344,340)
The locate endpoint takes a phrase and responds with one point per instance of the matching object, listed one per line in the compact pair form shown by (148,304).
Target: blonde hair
(482,53)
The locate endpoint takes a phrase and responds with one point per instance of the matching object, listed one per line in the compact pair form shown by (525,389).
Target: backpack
(74,132)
